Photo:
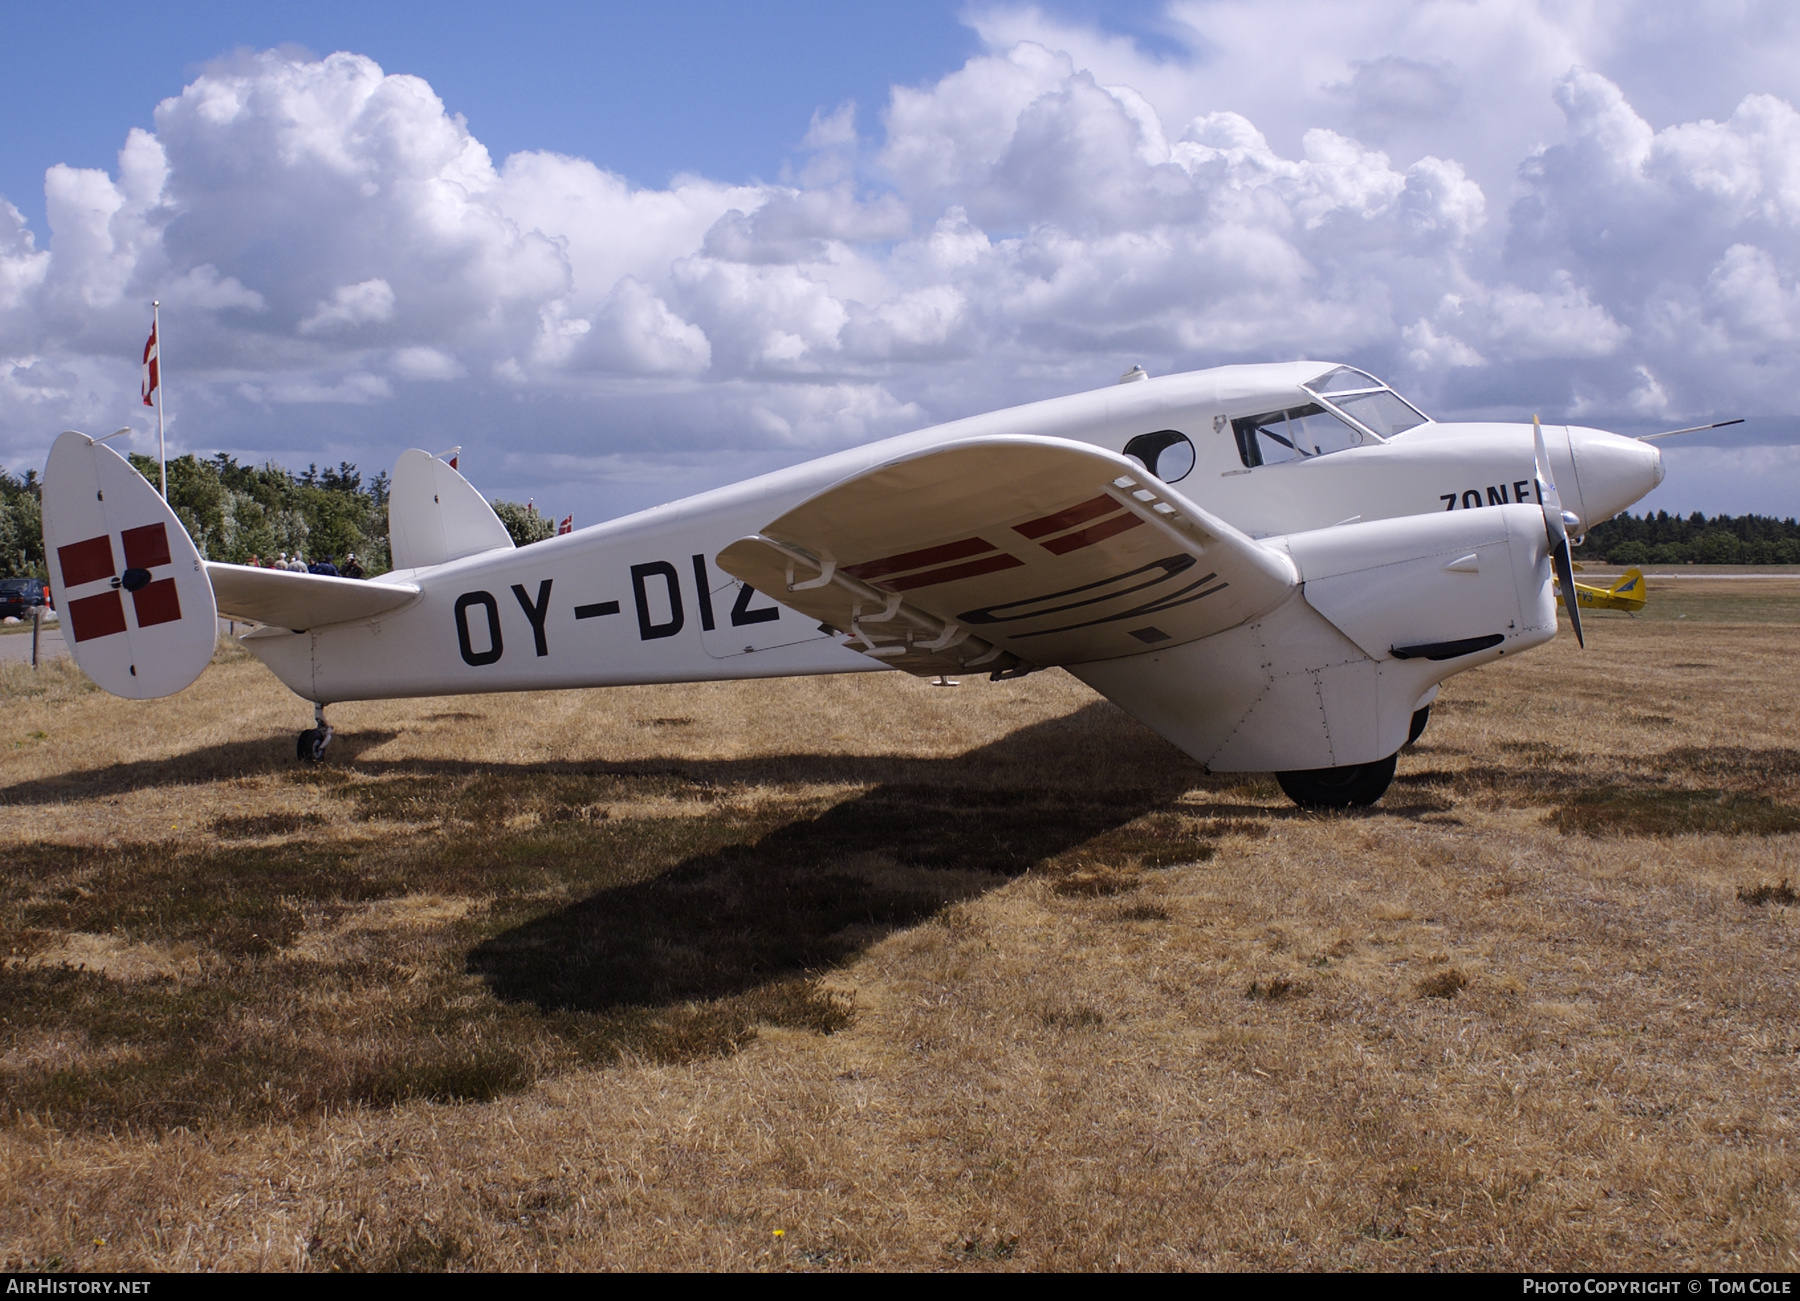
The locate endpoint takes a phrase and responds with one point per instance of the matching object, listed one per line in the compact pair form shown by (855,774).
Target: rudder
(137,607)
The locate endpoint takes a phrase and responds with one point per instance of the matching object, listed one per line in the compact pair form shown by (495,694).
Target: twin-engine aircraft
(1274,566)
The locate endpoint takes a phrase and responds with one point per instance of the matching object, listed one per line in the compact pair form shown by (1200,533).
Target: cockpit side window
(1295,434)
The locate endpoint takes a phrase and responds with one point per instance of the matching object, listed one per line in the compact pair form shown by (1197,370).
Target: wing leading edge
(1010,553)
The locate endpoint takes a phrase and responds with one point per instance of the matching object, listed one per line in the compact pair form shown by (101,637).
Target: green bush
(525,524)
(21,526)
(236,513)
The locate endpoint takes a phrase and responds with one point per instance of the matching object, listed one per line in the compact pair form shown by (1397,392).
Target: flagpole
(162,450)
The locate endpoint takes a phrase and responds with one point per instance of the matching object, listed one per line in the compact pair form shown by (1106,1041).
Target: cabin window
(1168,454)
(1296,434)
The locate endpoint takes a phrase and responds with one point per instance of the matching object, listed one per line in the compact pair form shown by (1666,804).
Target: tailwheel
(1353,786)
(310,746)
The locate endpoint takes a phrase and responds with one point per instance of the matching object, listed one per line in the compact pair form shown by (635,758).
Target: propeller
(1556,531)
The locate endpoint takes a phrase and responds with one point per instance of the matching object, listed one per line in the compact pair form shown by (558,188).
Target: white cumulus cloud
(351,305)
(1462,195)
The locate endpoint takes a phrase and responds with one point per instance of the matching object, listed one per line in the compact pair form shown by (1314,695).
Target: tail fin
(435,515)
(137,606)
(1630,583)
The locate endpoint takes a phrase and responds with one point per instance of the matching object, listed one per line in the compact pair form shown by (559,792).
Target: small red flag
(567,525)
(453,462)
(152,368)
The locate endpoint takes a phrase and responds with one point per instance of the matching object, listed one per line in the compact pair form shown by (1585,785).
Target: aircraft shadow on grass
(815,892)
(229,761)
(810,894)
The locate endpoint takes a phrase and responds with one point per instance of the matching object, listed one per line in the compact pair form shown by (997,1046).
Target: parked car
(19,595)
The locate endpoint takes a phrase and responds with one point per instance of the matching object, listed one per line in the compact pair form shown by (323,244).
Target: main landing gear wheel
(1419,719)
(1354,786)
(310,747)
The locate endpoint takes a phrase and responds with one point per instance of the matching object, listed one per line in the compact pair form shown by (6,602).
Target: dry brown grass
(861,973)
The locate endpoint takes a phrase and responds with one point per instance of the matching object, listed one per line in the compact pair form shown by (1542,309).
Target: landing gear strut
(311,746)
(1354,786)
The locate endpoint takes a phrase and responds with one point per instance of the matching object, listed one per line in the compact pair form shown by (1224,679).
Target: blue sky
(627,83)
(651,90)
(624,253)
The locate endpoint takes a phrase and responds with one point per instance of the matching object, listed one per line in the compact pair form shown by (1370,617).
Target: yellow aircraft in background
(1626,593)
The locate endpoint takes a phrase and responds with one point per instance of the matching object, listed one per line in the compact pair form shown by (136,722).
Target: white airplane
(1274,566)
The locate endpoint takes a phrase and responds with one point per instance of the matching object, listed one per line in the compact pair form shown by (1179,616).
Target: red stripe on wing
(1068,518)
(1088,536)
(950,573)
(869,570)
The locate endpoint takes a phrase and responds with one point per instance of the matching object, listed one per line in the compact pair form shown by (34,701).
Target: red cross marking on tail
(90,561)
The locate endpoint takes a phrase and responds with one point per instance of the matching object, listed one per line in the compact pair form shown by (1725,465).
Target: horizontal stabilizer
(283,599)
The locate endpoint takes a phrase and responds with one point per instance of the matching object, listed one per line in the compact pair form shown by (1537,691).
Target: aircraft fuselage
(640,599)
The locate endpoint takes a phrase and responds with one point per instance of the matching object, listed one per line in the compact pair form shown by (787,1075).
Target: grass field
(858,972)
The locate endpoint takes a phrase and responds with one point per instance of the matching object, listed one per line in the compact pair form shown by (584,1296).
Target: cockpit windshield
(1345,379)
(1367,401)
(1353,408)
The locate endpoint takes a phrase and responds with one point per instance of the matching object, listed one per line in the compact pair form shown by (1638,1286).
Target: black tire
(310,748)
(1419,720)
(1354,786)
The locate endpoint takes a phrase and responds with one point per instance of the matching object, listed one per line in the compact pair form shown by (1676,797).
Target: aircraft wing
(1010,552)
(282,599)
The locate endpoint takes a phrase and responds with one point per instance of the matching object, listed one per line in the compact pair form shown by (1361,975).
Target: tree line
(1665,539)
(238,512)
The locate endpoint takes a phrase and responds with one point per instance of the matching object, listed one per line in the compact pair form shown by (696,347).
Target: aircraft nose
(1614,471)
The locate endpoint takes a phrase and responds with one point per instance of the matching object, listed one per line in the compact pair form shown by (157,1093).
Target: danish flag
(567,525)
(90,561)
(152,368)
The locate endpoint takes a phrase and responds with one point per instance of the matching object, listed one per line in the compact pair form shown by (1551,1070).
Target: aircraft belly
(1285,691)
(1386,611)
(288,655)
(1194,694)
